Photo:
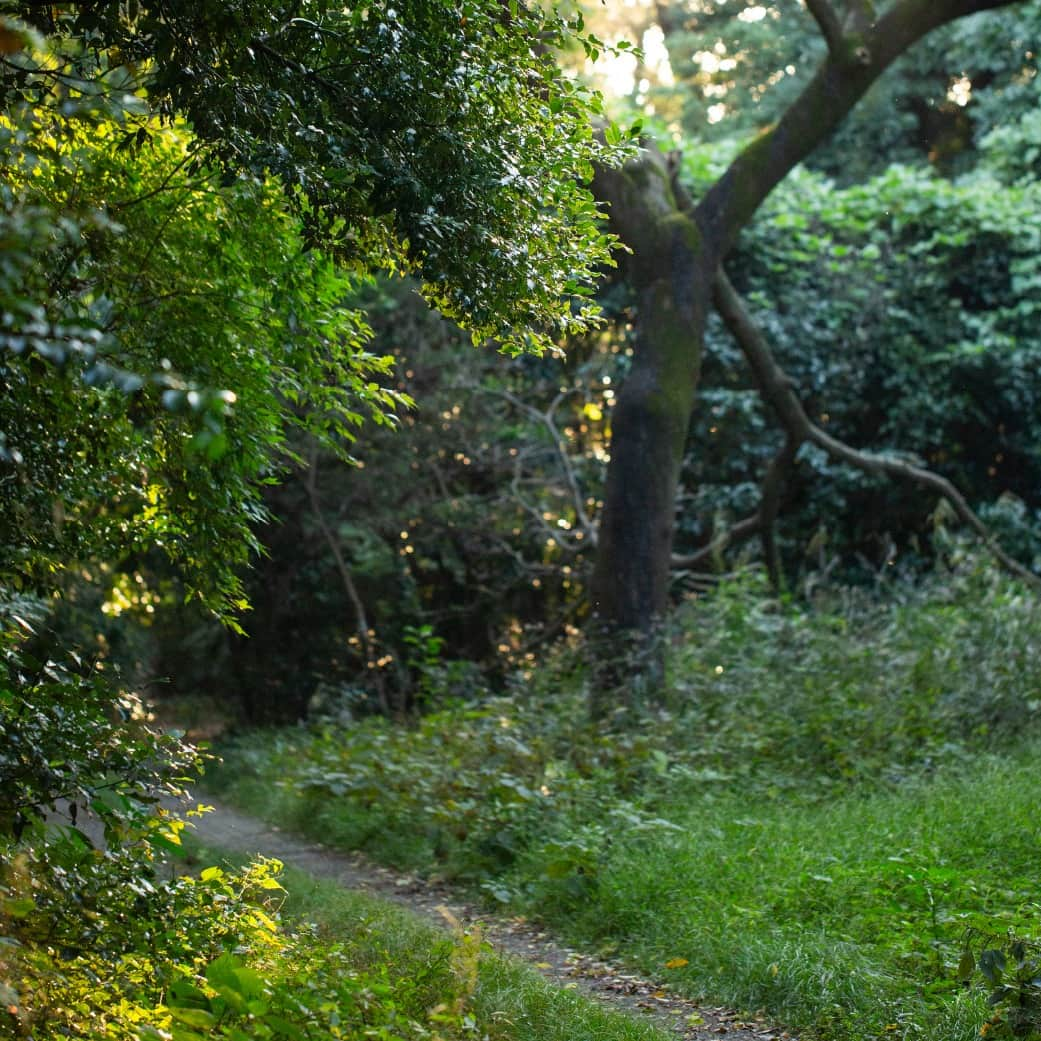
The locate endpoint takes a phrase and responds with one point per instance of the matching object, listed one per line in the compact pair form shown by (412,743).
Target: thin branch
(770,505)
(586,525)
(760,523)
(777,389)
(361,620)
(163,185)
(828,22)
(738,532)
(555,535)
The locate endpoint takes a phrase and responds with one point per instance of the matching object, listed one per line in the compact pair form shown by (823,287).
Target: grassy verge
(833,801)
(423,969)
(848,915)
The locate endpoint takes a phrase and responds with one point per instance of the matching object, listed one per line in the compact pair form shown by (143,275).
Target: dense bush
(194,959)
(904,311)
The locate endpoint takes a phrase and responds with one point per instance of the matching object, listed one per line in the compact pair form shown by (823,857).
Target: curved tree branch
(776,388)
(828,22)
(760,523)
(737,532)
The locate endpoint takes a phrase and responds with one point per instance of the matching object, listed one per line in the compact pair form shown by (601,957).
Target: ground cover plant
(430,968)
(834,801)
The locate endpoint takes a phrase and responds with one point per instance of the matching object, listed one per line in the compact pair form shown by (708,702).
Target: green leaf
(221,972)
(19,907)
(992,965)
(192,1017)
(184,994)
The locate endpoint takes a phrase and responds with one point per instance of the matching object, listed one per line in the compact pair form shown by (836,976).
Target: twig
(738,532)
(361,620)
(546,418)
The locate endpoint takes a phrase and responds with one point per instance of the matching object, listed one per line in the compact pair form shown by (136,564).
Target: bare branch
(760,523)
(770,506)
(828,22)
(546,418)
(743,529)
(776,388)
(365,634)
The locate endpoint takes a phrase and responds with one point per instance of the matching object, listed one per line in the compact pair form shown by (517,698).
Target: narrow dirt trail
(600,980)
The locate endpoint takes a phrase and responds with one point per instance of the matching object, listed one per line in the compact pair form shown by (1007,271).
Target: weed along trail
(232,832)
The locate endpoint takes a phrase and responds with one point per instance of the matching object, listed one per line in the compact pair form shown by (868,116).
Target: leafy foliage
(178,292)
(65,742)
(1010,967)
(725,71)
(188,199)
(902,309)
(199,958)
(430,138)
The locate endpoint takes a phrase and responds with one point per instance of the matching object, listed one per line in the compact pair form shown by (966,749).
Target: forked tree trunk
(677,248)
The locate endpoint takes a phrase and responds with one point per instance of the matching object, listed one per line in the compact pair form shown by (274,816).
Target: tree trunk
(677,248)
(649,423)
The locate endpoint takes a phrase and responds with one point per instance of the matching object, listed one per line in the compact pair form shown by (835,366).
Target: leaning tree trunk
(677,248)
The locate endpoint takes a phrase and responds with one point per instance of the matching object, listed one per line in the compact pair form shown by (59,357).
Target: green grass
(510,1002)
(847,914)
(831,800)
(844,916)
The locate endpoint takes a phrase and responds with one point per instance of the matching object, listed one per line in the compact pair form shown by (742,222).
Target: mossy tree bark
(677,247)
(650,419)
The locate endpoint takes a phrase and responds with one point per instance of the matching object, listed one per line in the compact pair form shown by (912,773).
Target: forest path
(606,983)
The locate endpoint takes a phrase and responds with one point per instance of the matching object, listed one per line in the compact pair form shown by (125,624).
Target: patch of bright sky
(960,91)
(752,14)
(617,72)
(656,55)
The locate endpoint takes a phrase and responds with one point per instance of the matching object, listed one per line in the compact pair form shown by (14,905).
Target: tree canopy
(433,138)
(190,197)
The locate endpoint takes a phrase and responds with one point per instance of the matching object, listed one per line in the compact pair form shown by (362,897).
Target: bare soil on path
(600,980)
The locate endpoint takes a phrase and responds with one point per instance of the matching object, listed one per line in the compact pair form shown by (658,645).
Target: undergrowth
(828,803)
(102,938)
(497,999)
